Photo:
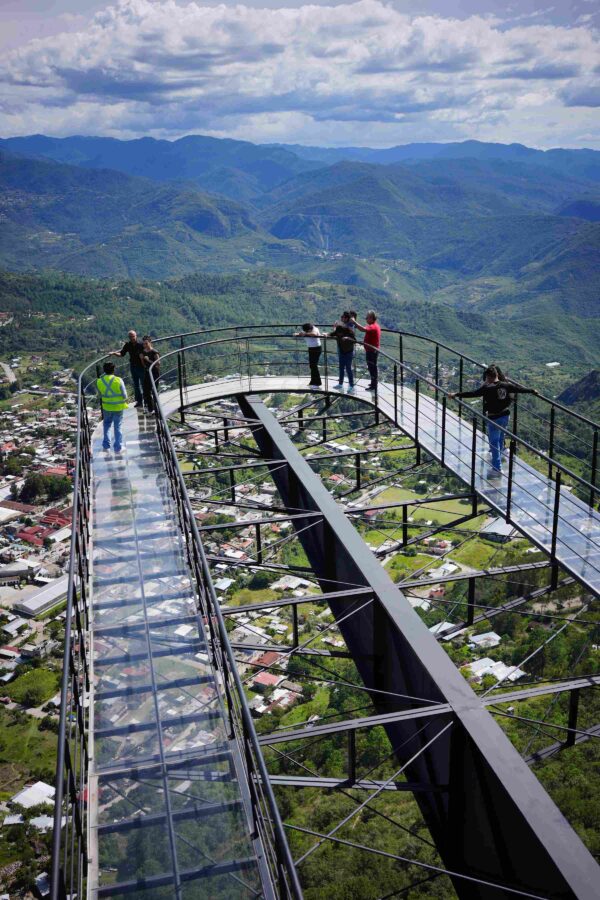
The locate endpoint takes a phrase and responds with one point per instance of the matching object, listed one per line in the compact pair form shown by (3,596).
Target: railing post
(300,420)
(444,404)
(461,367)
(557,481)
(396,394)
(515,421)
(401,349)
(471,602)
(404,526)
(573,710)
(473,454)
(326,372)
(295,632)
(417,392)
(226,430)
(232,484)
(324,428)
(511,463)
(551,440)
(98,374)
(437,369)
(180,379)
(594,467)
(352,756)
(259,553)
(357,470)
(183,363)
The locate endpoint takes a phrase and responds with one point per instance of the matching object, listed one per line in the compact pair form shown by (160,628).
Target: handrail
(421,378)
(214,612)
(65,766)
(393,331)
(409,334)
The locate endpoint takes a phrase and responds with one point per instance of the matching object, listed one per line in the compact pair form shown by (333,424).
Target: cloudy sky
(330,73)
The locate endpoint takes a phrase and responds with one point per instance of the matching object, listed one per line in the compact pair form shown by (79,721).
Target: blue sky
(364,73)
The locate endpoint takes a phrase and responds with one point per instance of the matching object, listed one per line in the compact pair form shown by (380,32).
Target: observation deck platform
(532,493)
(166,800)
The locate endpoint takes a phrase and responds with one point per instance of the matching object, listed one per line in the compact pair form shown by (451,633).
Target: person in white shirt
(312,336)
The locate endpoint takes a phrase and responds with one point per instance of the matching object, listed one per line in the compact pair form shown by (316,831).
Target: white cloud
(361,72)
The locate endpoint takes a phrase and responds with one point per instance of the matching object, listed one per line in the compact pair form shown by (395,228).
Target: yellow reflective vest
(112,393)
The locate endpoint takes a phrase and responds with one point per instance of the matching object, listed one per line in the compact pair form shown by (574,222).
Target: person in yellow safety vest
(114,400)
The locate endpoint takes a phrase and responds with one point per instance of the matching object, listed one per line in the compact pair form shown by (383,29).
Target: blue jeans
(112,419)
(496,439)
(345,361)
(137,376)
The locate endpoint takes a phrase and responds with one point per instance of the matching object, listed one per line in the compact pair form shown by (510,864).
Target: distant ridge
(586,390)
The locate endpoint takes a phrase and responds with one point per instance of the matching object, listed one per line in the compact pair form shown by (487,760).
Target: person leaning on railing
(344,335)
(496,394)
(371,343)
(133,349)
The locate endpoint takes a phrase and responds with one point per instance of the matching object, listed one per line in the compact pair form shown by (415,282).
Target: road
(8,372)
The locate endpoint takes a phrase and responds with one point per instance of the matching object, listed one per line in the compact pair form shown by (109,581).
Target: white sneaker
(351,390)
(338,387)
(494,474)
(314,387)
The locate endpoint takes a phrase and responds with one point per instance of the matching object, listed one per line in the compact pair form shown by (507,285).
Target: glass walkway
(576,543)
(168,812)
(169,805)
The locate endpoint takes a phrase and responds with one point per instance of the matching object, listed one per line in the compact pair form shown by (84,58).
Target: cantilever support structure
(488,814)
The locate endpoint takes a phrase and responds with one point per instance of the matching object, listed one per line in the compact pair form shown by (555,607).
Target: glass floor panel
(168,815)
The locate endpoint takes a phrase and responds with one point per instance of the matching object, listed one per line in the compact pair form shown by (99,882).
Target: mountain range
(479,226)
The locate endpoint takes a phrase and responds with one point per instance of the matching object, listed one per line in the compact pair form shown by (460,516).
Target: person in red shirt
(371,344)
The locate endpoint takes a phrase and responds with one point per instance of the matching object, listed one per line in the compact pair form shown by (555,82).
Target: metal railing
(265,817)
(428,369)
(70,835)
(69,839)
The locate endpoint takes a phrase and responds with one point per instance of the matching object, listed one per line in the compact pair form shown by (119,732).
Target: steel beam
(495,821)
(333,784)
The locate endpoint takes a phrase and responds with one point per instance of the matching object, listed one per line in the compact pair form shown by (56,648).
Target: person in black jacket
(346,342)
(148,356)
(496,393)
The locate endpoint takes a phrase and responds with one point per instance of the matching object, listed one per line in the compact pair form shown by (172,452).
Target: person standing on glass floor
(113,397)
(371,343)
(496,393)
(312,336)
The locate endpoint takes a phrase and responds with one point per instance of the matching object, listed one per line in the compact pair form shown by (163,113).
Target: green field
(34,687)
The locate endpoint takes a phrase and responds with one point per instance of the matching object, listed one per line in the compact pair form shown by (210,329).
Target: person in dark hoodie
(496,393)
(346,342)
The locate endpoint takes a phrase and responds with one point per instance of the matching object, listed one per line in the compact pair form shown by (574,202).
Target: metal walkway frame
(488,814)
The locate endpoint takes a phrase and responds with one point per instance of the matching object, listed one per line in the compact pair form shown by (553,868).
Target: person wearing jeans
(496,394)
(113,420)
(346,342)
(496,440)
(113,397)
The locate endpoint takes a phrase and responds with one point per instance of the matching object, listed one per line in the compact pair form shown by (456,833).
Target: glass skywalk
(168,815)
(532,493)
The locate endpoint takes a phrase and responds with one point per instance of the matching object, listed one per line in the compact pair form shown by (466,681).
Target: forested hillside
(76,319)
(497,251)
